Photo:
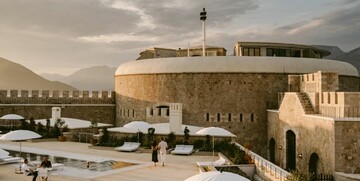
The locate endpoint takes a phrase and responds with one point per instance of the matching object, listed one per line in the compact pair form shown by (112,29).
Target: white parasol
(20,135)
(215,131)
(12,117)
(217,176)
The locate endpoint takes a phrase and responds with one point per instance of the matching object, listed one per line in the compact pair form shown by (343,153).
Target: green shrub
(298,175)
(32,125)
(171,140)
(198,144)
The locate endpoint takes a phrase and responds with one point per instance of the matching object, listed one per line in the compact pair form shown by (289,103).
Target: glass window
(218,117)
(287,52)
(245,52)
(251,52)
(269,52)
(257,51)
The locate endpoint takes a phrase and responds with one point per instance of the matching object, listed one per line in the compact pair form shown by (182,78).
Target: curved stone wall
(229,92)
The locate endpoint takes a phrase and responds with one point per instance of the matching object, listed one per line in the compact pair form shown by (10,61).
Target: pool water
(98,166)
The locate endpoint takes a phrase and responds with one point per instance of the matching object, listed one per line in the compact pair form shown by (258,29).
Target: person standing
(154,155)
(163,147)
(46,163)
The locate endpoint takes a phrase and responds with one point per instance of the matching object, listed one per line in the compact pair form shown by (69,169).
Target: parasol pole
(213,151)
(138,136)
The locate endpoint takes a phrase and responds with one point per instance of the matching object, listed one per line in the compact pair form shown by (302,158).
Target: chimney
(175,120)
(55,113)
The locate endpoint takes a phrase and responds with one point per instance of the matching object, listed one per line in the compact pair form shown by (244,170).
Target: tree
(40,129)
(47,127)
(32,125)
(105,138)
(59,126)
(151,132)
(24,125)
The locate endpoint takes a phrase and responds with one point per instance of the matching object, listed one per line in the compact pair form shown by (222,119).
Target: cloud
(309,25)
(68,35)
(146,20)
(118,38)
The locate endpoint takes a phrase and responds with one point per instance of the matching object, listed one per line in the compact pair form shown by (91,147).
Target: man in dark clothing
(46,163)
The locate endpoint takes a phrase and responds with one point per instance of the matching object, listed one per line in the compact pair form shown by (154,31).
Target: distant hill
(352,57)
(17,77)
(52,77)
(335,51)
(93,78)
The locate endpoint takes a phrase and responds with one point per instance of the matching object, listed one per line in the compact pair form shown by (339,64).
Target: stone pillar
(175,119)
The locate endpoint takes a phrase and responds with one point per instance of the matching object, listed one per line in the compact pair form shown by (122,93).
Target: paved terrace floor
(177,167)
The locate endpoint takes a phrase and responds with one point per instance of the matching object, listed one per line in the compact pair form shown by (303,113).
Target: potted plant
(59,128)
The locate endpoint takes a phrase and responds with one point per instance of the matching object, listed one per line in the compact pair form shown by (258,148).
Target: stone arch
(290,150)
(272,148)
(314,162)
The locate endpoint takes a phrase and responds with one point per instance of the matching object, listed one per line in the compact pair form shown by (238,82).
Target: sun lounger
(10,159)
(183,149)
(220,161)
(128,146)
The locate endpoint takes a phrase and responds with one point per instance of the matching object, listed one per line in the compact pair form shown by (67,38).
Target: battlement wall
(56,97)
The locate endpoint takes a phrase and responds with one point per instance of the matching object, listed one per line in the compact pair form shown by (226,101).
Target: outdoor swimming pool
(98,166)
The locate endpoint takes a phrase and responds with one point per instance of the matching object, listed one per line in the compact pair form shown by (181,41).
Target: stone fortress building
(233,92)
(271,95)
(317,127)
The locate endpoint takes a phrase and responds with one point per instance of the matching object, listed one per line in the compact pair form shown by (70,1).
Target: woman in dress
(154,155)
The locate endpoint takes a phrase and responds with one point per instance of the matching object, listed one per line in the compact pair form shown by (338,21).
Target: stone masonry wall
(92,106)
(347,146)
(311,132)
(237,102)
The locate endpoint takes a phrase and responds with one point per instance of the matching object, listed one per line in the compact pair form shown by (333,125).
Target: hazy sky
(62,36)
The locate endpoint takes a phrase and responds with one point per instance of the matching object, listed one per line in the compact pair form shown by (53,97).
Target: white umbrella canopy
(3,153)
(215,131)
(138,125)
(12,117)
(217,176)
(19,135)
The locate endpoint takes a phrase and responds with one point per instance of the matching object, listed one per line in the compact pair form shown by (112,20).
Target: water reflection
(83,164)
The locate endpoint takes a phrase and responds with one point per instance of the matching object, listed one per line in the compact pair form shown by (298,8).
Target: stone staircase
(305,103)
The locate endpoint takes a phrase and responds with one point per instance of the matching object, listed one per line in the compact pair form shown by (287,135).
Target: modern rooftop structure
(278,50)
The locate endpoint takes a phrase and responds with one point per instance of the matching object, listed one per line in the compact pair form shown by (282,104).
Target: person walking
(154,154)
(163,147)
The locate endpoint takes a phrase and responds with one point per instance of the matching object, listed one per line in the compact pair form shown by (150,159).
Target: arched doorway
(313,164)
(272,150)
(290,150)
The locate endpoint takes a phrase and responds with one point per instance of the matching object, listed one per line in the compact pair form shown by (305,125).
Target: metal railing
(265,165)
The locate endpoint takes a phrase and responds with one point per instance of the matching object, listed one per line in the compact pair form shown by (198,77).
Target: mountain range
(14,76)
(352,57)
(93,78)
